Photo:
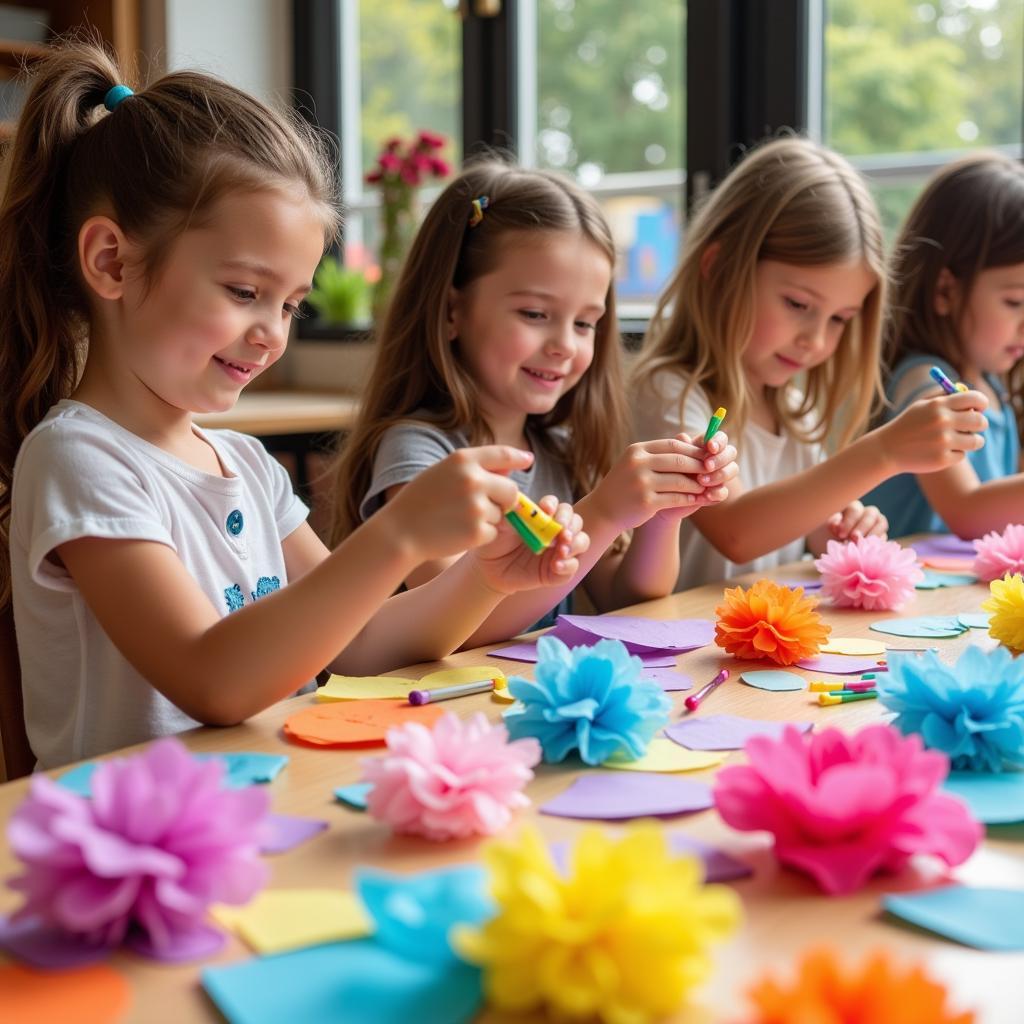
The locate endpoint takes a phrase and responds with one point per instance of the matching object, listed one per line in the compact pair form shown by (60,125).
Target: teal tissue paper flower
(593,699)
(973,711)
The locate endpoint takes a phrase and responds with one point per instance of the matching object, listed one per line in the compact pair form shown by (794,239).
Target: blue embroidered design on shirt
(234,597)
(266,585)
(235,522)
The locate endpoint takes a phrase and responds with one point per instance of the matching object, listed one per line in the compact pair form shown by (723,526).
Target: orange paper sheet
(356,723)
(87,995)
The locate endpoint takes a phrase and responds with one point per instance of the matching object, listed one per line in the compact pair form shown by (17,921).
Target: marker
(945,383)
(544,527)
(828,699)
(693,701)
(419,697)
(714,423)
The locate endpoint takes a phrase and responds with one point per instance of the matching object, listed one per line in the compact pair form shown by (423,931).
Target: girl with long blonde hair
(775,312)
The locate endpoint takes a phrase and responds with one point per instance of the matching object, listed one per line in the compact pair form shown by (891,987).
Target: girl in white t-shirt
(152,256)
(775,313)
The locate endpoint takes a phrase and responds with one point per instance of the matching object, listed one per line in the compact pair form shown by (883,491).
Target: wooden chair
(17,759)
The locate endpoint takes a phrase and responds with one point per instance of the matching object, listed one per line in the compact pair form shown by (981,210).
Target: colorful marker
(419,697)
(693,701)
(840,697)
(945,383)
(714,423)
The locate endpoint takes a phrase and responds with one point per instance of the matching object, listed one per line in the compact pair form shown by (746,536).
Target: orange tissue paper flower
(770,621)
(875,992)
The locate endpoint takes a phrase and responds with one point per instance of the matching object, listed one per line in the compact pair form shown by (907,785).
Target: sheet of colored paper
(668,679)
(931,626)
(355,723)
(853,647)
(991,919)
(40,945)
(944,544)
(772,679)
(354,795)
(458,676)
(366,688)
(809,585)
(838,664)
(278,920)
(974,620)
(527,651)
(719,866)
(502,695)
(935,580)
(285,832)
(88,995)
(726,732)
(948,563)
(360,982)
(79,778)
(616,795)
(676,635)
(995,798)
(663,755)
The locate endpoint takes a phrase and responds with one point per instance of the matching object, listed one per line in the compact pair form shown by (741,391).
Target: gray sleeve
(404,452)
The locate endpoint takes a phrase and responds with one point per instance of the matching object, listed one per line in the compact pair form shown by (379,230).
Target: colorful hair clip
(479,205)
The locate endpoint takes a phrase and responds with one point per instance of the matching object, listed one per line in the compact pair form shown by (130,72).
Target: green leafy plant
(340,295)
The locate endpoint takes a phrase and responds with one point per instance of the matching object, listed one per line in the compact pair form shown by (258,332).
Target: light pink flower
(844,807)
(459,779)
(158,843)
(1000,554)
(868,573)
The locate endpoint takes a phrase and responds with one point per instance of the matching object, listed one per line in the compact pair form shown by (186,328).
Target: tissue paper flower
(868,573)
(844,807)
(1007,607)
(622,937)
(591,698)
(158,843)
(876,992)
(972,711)
(458,779)
(770,621)
(1000,554)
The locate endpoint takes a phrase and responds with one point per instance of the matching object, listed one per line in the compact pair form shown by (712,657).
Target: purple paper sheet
(944,544)
(719,866)
(613,795)
(840,664)
(808,585)
(198,944)
(528,652)
(643,634)
(284,832)
(667,679)
(40,945)
(726,732)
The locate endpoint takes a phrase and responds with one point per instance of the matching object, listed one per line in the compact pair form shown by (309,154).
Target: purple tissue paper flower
(158,843)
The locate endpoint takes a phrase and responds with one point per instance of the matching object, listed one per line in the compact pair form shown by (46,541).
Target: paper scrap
(775,680)
(935,580)
(995,798)
(458,676)
(41,945)
(285,832)
(944,544)
(662,755)
(677,635)
(355,794)
(366,688)
(854,646)
(615,795)
(838,664)
(355,723)
(668,679)
(974,620)
(948,563)
(726,732)
(931,626)
(991,919)
(88,995)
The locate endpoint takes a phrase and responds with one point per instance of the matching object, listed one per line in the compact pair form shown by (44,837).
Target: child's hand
(508,565)
(858,520)
(934,433)
(720,467)
(457,504)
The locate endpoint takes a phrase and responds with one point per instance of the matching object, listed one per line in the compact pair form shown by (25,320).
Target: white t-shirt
(762,457)
(79,474)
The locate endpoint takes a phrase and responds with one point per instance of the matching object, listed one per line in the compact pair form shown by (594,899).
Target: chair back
(17,757)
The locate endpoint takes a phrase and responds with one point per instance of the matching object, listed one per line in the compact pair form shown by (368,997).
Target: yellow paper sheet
(853,647)
(664,755)
(366,688)
(282,919)
(458,676)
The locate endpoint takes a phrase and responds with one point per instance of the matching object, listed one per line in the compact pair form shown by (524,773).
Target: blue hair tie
(116,95)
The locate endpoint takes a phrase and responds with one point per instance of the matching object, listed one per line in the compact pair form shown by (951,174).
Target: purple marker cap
(419,697)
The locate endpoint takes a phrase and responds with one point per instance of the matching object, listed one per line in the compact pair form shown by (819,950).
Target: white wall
(247,42)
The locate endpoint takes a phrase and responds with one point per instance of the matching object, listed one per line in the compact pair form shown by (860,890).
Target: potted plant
(340,295)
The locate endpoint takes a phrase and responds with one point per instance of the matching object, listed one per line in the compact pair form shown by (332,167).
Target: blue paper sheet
(983,918)
(995,798)
(355,794)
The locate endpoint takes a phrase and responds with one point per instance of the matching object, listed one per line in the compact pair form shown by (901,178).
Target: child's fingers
(678,464)
(725,455)
(671,446)
(966,400)
(497,458)
(673,483)
(718,443)
(849,517)
(722,476)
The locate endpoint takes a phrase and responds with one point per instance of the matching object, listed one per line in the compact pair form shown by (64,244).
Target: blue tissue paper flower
(591,698)
(973,711)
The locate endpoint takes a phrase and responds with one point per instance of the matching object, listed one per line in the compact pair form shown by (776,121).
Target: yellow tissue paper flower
(1007,607)
(622,937)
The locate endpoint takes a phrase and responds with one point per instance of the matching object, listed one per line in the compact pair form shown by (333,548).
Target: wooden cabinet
(24,37)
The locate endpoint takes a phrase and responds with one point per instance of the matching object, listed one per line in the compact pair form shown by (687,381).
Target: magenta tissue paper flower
(843,807)
(158,843)
(460,779)
(868,573)
(999,554)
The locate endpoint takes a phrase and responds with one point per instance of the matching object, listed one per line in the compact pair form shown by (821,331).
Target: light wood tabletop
(783,912)
(267,413)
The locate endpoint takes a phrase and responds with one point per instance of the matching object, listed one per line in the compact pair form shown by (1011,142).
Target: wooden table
(784,913)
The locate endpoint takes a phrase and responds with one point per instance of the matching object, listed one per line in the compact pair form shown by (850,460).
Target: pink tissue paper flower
(999,554)
(159,842)
(844,807)
(460,779)
(868,573)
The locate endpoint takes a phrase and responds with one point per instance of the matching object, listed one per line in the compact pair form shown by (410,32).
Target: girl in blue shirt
(958,270)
